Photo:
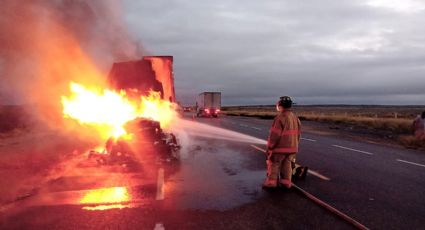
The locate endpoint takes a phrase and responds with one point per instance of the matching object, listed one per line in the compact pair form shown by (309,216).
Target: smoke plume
(46,44)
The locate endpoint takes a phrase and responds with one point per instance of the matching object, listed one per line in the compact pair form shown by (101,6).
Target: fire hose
(323,204)
(328,207)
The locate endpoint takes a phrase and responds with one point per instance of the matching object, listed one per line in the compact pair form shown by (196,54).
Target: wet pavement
(215,184)
(378,185)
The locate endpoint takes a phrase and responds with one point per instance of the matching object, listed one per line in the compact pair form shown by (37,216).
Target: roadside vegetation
(29,151)
(13,120)
(388,122)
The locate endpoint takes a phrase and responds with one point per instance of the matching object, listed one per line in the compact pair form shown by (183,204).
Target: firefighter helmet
(285,102)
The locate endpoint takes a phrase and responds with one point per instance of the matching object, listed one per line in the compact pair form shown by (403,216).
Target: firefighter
(282,145)
(419,126)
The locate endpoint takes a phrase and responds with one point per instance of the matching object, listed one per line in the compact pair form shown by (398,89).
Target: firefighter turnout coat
(285,133)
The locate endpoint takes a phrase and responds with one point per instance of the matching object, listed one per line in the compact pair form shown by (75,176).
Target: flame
(155,108)
(108,110)
(106,195)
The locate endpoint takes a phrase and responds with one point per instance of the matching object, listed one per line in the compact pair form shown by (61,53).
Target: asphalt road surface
(216,184)
(382,187)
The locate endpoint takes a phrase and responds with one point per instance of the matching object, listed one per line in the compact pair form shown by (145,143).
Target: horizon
(271,105)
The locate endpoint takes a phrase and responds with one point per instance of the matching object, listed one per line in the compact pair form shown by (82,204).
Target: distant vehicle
(208,104)
(187,109)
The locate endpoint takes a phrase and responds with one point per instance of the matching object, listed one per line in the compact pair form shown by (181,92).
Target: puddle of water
(213,179)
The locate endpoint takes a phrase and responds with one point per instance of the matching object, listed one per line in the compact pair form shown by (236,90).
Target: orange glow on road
(106,195)
(107,207)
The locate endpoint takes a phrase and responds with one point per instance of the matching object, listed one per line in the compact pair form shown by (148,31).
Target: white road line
(412,163)
(256,128)
(354,150)
(312,172)
(160,185)
(243,125)
(307,139)
(159,226)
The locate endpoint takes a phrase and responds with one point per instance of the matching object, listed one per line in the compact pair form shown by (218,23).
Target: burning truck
(131,113)
(148,143)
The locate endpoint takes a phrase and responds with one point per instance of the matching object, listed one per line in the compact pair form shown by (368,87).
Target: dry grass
(14,120)
(412,142)
(244,113)
(375,120)
(396,126)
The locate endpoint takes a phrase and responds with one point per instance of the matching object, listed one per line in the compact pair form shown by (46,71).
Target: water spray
(202,130)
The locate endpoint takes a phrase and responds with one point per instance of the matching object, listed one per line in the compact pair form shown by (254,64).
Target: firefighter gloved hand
(268,153)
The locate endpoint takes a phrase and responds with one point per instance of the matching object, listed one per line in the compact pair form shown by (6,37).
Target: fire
(156,109)
(108,110)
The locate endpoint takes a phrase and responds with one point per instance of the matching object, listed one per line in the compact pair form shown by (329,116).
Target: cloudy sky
(346,51)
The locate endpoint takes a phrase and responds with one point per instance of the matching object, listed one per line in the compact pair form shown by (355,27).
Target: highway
(216,184)
(380,186)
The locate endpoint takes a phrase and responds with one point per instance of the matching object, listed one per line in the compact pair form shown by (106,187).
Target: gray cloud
(349,51)
(317,51)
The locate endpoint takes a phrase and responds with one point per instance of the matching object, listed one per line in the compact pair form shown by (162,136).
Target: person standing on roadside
(282,145)
(419,126)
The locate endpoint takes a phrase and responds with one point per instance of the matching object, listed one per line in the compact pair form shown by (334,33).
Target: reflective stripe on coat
(285,133)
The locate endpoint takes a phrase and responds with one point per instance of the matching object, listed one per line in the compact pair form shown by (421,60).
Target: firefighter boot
(270,183)
(285,183)
(272,174)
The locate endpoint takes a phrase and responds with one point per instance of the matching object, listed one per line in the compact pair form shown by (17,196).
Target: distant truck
(208,104)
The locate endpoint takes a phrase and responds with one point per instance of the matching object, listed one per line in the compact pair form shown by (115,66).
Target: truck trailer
(208,104)
(137,78)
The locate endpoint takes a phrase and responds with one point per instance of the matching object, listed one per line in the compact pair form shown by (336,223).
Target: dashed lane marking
(159,226)
(243,125)
(354,150)
(160,185)
(256,128)
(316,174)
(312,172)
(409,162)
(307,139)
